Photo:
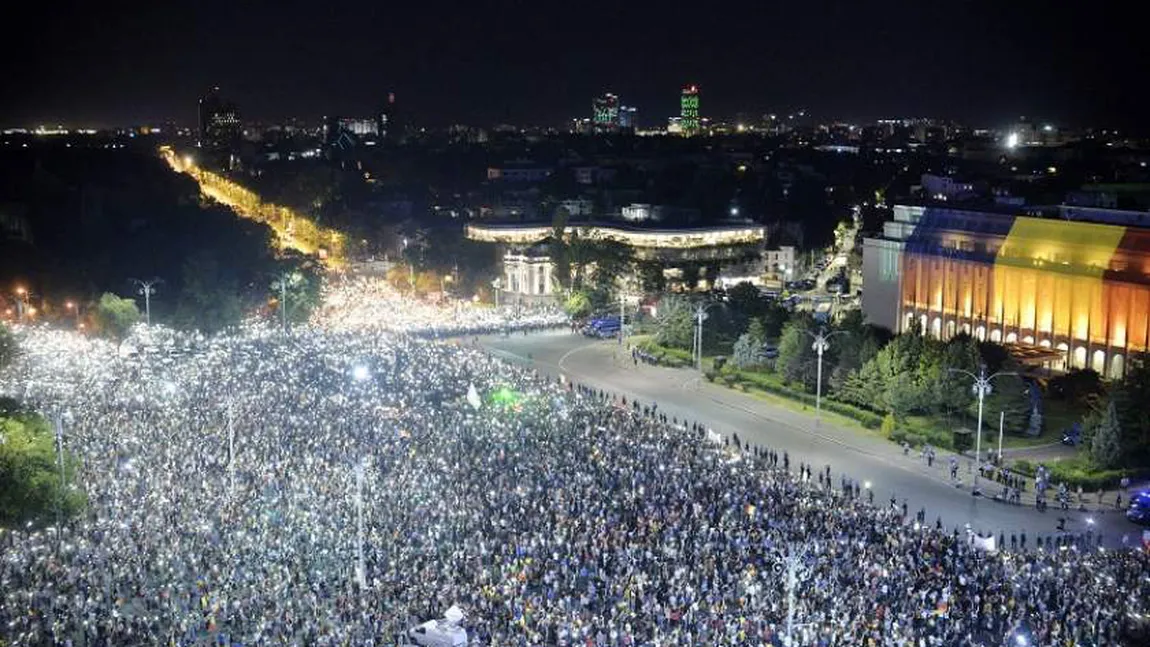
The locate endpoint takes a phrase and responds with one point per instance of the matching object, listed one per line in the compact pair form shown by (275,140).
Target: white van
(445,632)
(438,633)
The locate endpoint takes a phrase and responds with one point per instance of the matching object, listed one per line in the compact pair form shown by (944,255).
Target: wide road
(863,457)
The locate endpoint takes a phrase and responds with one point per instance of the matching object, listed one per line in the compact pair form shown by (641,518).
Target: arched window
(1079,357)
(1099,363)
(1117,366)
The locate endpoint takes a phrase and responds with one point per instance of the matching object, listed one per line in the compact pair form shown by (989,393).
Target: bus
(602,327)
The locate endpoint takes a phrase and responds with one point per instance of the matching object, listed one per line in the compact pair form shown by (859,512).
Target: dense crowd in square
(550,513)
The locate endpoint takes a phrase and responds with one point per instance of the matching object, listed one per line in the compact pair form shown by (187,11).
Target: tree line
(31,488)
(903,376)
(92,220)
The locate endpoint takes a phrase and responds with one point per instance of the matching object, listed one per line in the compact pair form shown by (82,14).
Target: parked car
(1139,510)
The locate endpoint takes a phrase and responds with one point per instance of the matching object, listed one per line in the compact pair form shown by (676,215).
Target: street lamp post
(820,346)
(282,282)
(1001,424)
(700,316)
(231,449)
(981,388)
(147,288)
(21,305)
(283,303)
(63,482)
(622,317)
(360,566)
(796,572)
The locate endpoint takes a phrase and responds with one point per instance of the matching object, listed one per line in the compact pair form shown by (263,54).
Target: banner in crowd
(986,543)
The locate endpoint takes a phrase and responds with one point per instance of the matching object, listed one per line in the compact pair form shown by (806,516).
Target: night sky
(539,62)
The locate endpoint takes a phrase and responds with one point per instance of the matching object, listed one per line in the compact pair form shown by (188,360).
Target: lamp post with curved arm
(147,288)
(360,566)
(820,346)
(981,388)
(700,316)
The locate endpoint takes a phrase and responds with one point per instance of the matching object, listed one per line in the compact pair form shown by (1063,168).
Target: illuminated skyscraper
(220,124)
(626,118)
(689,110)
(605,113)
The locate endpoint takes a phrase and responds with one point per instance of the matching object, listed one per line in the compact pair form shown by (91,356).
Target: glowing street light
(21,302)
(147,288)
(820,346)
(700,317)
(498,285)
(360,565)
(981,388)
(282,283)
(360,373)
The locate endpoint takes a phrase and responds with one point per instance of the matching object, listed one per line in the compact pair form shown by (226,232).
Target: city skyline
(508,62)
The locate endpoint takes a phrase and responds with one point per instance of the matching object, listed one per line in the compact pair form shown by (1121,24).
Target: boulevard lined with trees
(910,387)
(95,224)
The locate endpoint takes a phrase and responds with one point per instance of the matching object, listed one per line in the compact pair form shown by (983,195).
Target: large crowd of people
(224,507)
(365,303)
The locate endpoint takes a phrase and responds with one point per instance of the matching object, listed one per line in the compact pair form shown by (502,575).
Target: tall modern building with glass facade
(605,113)
(689,110)
(1068,285)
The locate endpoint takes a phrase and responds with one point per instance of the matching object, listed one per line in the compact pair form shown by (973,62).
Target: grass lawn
(920,424)
(794,405)
(765,386)
(1059,416)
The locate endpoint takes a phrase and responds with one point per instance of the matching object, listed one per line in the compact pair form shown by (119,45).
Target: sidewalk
(876,445)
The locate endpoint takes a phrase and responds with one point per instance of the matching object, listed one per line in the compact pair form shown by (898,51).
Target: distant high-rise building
(689,110)
(387,126)
(220,124)
(360,127)
(605,113)
(626,118)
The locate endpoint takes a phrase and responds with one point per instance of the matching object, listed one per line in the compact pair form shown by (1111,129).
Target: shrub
(1074,472)
(710,375)
(915,440)
(940,438)
(1080,471)
(868,419)
(664,356)
(889,427)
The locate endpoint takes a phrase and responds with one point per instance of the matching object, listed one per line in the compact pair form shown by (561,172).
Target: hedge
(774,386)
(1076,471)
(667,356)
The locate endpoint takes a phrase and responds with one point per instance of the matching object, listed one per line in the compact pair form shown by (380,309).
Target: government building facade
(1067,286)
